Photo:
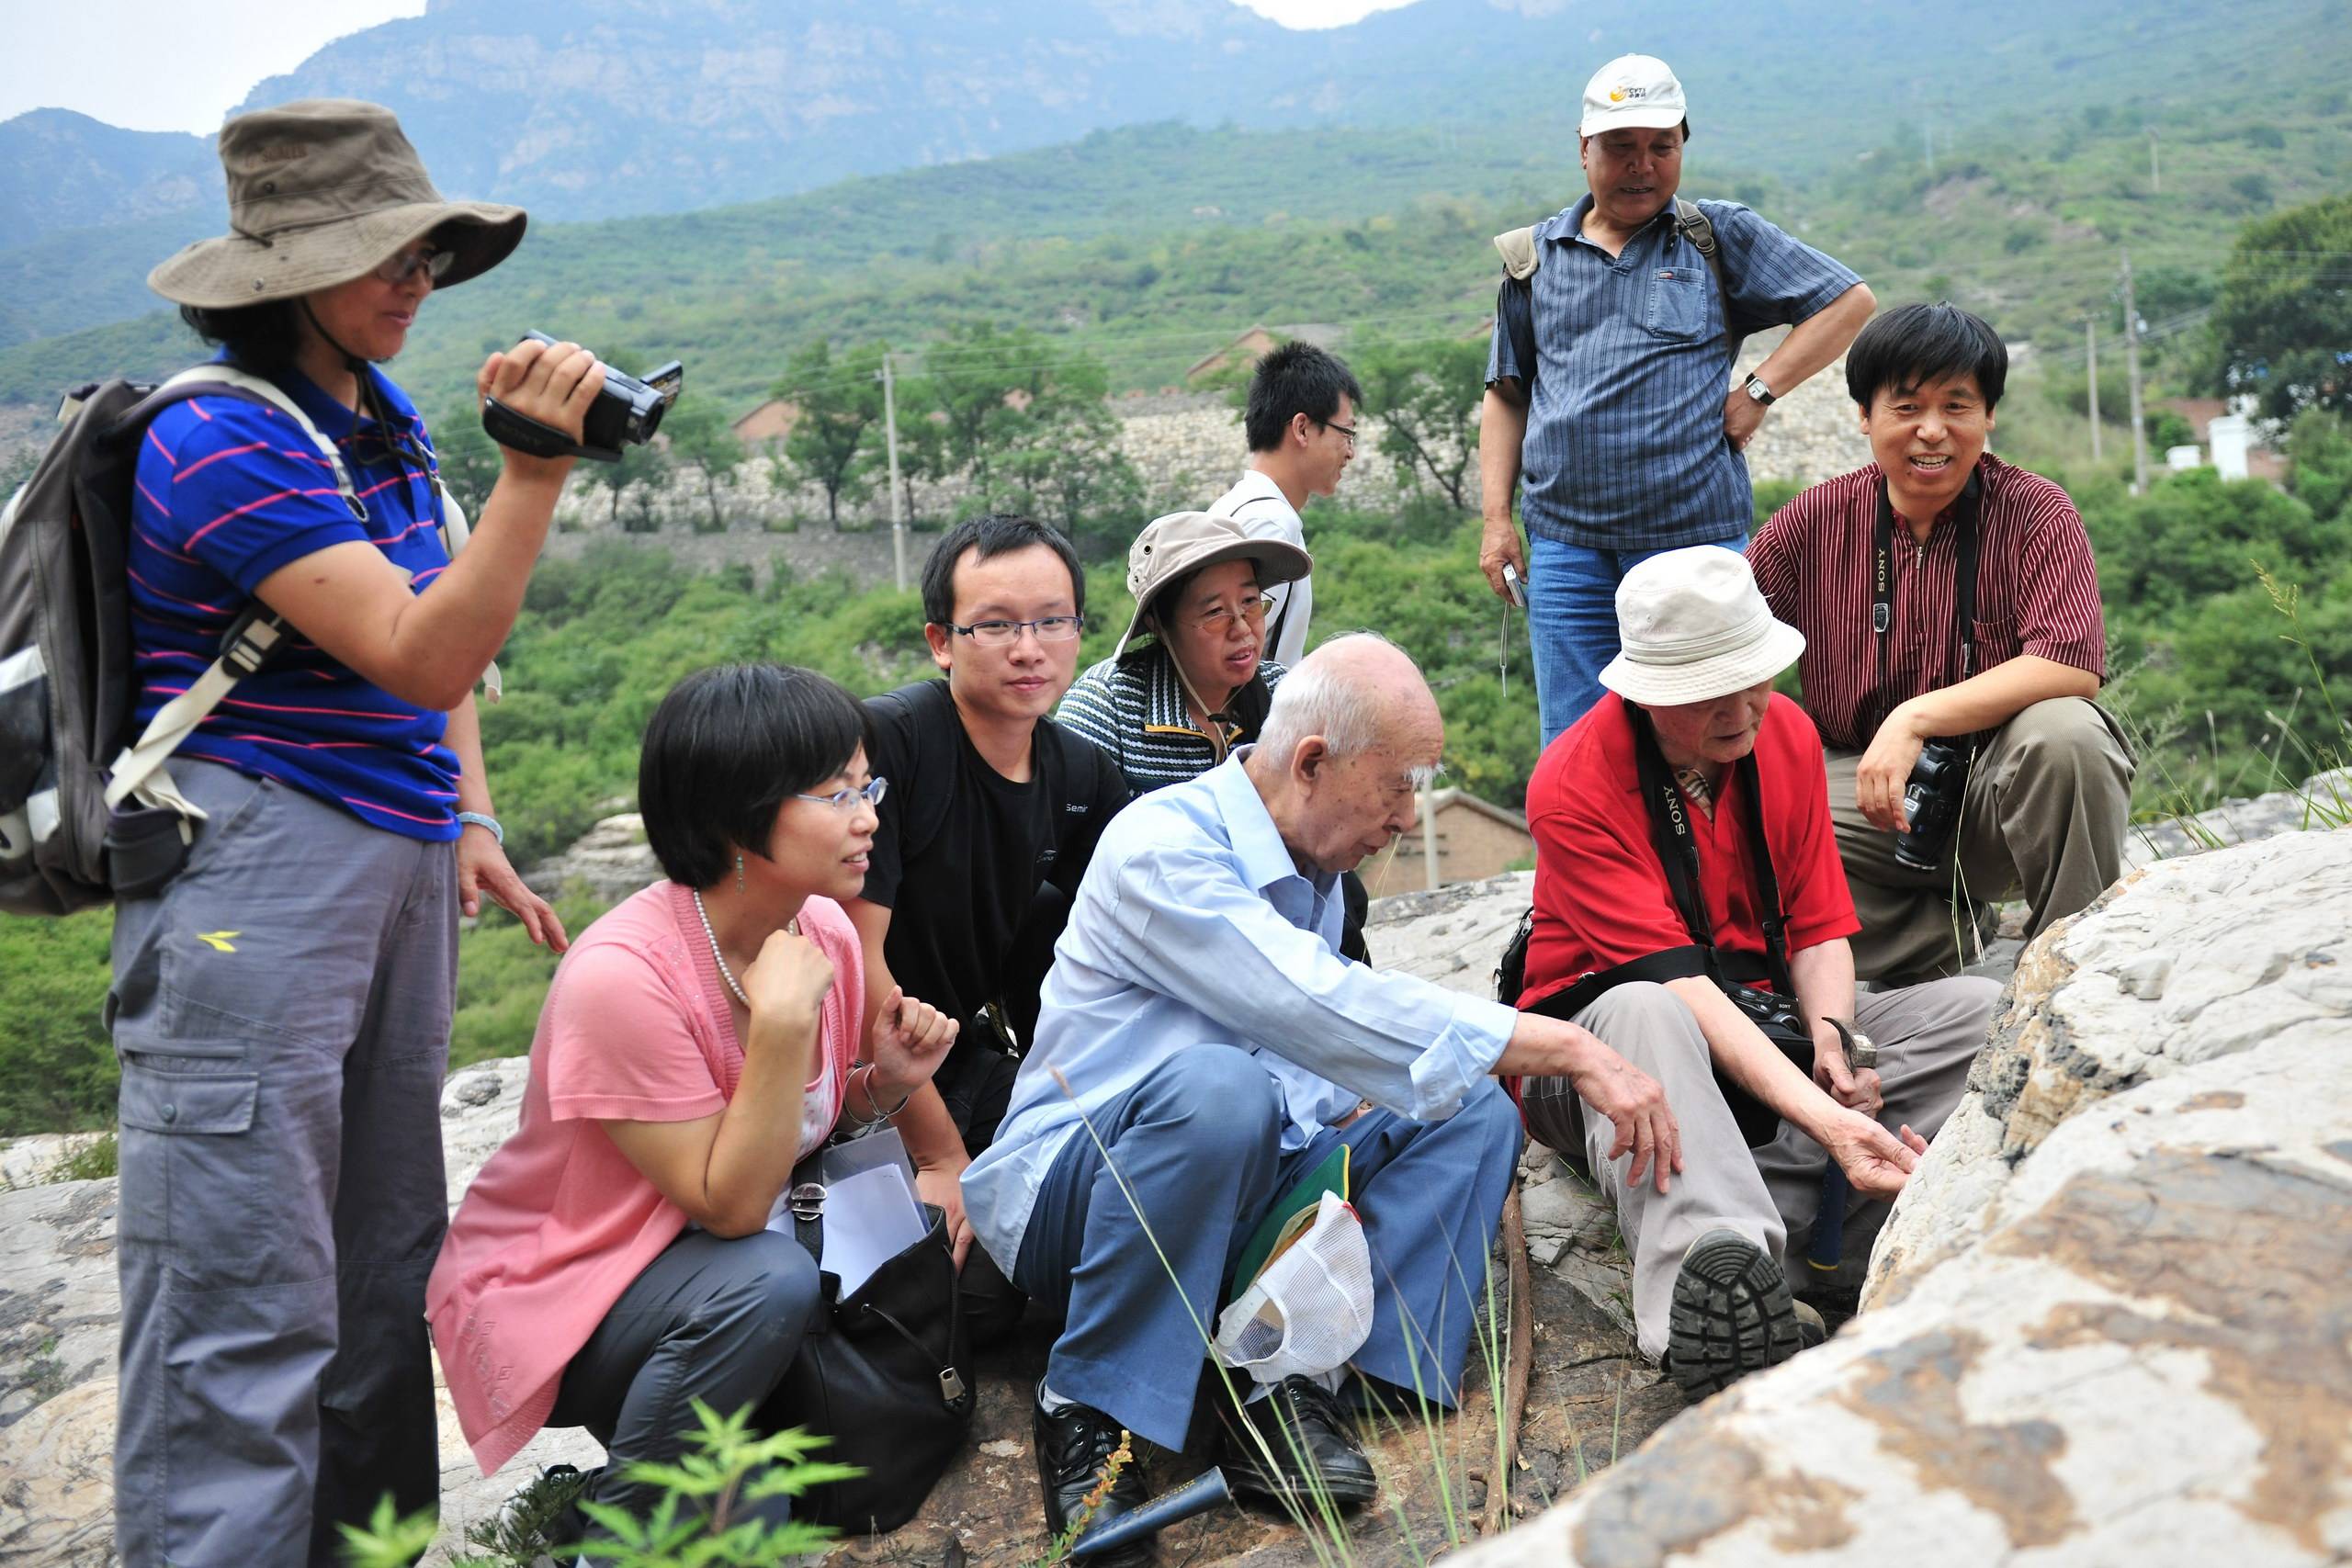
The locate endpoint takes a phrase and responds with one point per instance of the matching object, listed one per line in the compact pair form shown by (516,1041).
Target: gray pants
(2045,817)
(281,1014)
(1927,1037)
(711,1319)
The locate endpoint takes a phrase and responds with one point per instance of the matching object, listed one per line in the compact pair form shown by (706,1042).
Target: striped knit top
(1132,707)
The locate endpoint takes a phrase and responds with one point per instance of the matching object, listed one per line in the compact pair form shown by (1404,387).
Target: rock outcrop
(2108,1321)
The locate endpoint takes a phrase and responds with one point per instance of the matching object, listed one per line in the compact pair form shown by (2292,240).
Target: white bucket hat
(1692,627)
(1185,542)
(1633,90)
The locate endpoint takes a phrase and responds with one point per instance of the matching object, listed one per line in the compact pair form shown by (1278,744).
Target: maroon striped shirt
(2037,591)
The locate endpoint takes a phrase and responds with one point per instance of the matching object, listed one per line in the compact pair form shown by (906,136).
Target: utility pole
(2131,372)
(2090,347)
(1429,833)
(898,508)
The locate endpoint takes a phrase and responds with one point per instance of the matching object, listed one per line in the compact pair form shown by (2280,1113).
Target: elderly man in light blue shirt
(1201,1025)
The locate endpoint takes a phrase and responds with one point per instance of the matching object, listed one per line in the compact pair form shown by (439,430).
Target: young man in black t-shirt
(991,816)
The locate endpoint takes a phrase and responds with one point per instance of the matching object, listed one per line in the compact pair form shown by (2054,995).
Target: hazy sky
(181,64)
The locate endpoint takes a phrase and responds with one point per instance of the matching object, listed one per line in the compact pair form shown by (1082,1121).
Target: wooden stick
(1522,1362)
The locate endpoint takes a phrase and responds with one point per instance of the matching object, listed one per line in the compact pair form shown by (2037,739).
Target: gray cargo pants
(281,1013)
(1927,1037)
(2043,817)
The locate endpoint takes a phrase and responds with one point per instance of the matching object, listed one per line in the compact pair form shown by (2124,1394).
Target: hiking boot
(1302,1425)
(1732,1314)
(1074,1447)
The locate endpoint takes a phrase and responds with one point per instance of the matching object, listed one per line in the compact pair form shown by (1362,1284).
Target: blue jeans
(1198,1146)
(1572,622)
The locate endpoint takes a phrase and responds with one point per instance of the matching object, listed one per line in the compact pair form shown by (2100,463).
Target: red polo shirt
(2037,590)
(1601,896)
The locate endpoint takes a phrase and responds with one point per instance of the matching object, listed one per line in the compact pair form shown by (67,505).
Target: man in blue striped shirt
(1609,382)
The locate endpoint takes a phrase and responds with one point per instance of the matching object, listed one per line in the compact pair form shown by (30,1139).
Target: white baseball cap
(1633,90)
(1692,626)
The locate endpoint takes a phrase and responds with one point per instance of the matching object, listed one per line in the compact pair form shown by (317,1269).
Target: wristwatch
(1759,391)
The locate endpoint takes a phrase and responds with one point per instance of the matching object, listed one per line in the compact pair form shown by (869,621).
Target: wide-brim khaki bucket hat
(1185,542)
(319,192)
(1692,626)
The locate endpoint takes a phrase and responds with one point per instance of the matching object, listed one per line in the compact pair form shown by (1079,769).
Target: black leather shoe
(1074,1445)
(1303,1428)
(1732,1316)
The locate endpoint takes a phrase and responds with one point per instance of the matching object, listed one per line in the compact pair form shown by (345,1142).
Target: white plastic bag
(1308,1310)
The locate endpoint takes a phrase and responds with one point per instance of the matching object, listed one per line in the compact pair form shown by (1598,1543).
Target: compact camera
(1931,805)
(625,414)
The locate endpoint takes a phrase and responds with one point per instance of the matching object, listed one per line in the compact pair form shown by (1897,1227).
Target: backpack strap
(1520,255)
(1700,230)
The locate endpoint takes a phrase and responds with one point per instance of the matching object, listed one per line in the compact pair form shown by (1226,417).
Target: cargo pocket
(187,1156)
(1678,304)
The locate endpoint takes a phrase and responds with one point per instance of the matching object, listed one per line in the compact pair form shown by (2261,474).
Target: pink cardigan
(559,1223)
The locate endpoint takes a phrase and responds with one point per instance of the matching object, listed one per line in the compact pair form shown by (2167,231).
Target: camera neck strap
(1677,851)
(1967,512)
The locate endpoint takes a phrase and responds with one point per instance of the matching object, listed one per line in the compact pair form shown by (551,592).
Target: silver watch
(1759,391)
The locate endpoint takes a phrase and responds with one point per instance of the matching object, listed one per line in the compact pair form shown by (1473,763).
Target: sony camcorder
(625,414)
(1931,805)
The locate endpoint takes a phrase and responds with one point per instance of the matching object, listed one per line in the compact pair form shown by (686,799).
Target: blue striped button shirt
(1624,447)
(1194,926)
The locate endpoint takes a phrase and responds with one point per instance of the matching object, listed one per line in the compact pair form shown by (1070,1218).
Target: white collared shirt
(1258,506)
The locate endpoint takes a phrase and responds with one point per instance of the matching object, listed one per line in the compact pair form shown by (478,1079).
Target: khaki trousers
(2045,817)
(1927,1037)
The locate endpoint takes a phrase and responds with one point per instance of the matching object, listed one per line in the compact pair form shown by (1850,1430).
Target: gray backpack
(85,817)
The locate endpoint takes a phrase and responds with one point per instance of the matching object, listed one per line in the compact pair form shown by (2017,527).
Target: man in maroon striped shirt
(1872,568)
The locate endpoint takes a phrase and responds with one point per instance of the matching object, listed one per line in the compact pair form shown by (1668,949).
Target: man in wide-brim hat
(282,1194)
(1692,755)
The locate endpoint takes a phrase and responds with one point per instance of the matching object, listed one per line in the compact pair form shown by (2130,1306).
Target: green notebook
(1290,1217)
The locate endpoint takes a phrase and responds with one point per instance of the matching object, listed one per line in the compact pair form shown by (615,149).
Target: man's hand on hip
(1743,415)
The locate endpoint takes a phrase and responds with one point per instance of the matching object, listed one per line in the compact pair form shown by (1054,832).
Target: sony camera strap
(1678,849)
(1967,513)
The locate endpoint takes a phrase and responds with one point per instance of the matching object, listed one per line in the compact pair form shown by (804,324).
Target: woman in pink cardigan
(610,1263)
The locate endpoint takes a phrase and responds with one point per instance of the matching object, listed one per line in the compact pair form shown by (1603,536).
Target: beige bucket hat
(1184,541)
(319,192)
(1692,627)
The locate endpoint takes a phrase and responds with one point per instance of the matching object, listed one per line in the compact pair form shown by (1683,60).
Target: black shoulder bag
(1774,1012)
(884,1372)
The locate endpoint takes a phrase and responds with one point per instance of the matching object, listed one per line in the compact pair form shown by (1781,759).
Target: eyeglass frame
(1035,629)
(400,265)
(870,792)
(1346,431)
(1254,610)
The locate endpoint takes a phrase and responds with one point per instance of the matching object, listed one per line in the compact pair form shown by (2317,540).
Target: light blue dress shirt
(1193,926)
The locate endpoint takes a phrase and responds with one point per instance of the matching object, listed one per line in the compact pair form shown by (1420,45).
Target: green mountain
(595,109)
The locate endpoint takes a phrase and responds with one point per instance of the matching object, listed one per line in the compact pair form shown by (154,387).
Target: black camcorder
(1931,805)
(625,414)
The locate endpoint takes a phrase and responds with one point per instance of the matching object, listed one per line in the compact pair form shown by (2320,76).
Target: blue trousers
(1572,622)
(1198,1146)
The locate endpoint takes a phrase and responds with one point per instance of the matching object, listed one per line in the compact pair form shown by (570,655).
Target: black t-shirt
(967,924)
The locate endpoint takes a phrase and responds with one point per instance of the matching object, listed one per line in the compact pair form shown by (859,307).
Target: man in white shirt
(1301,429)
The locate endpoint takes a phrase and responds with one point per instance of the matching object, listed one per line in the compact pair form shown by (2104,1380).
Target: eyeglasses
(1004,633)
(398,269)
(851,799)
(1218,622)
(1349,431)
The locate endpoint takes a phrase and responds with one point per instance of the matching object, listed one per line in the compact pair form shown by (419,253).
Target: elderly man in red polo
(1690,911)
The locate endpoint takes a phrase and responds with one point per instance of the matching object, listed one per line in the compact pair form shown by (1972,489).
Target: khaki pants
(2047,806)
(1927,1037)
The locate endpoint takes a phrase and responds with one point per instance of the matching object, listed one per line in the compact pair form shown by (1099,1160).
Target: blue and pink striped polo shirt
(228,493)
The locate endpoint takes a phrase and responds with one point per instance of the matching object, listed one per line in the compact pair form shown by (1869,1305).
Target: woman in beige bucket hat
(281,1007)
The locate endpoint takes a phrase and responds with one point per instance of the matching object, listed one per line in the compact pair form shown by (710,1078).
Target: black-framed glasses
(1349,431)
(851,799)
(1004,633)
(399,268)
(1218,622)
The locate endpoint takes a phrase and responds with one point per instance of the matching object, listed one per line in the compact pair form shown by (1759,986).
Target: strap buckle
(1881,615)
(250,640)
(807,1201)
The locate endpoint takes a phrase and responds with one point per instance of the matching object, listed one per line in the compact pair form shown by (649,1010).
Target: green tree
(701,441)
(1427,395)
(2283,320)
(840,400)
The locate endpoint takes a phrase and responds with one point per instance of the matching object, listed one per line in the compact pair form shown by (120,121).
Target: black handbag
(1774,1012)
(884,1372)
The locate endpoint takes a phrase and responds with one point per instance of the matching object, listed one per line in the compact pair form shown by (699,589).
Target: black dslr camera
(1931,805)
(626,413)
